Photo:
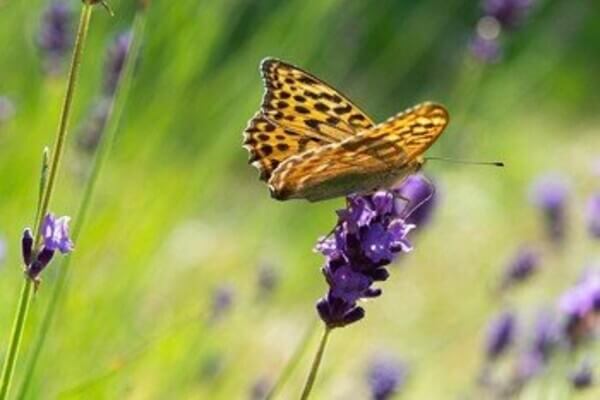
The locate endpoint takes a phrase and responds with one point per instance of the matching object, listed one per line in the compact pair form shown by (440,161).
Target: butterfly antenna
(450,160)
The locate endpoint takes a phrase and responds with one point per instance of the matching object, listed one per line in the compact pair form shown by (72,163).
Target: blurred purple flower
(56,35)
(581,306)
(422,199)
(523,265)
(550,194)
(115,61)
(55,233)
(91,132)
(268,279)
(486,50)
(222,301)
(7,109)
(546,335)
(2,250)
(260,389)
(369,234)
(593,215)
(500,335)
(510,13)
(583,376)
(385,376)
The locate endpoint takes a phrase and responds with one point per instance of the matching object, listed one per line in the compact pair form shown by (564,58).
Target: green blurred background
(178,213)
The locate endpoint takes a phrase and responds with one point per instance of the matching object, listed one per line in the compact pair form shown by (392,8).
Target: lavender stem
(315,365)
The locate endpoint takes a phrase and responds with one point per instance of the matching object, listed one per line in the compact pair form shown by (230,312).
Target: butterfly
(309,141)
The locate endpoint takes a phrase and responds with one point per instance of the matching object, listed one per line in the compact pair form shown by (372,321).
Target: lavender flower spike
(55,36)
(524,264)
(386,376)
(115,61)
(550,194)
(509,13)
(593,215)
(369,235)
(501,332)
(580,306)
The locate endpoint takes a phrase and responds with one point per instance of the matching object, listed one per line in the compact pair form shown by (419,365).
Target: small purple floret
(55,233)
(583,376)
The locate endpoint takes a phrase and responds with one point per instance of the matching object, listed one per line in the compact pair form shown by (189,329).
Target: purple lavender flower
(115,60)
(260,389)
(368,236)
(583,376)
(268,279)
(510,13)
(2,249)
(222,301)
(523,265)
(421,197)
(593,215)
(55,236)
(7,109)
(500,335)
(385,376)
(546,335)
(550,194)
(581,306)
(55,36)
(486,50)
(91,132)
(55,233)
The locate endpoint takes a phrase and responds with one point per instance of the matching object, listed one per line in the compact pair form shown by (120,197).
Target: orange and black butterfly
(309,141)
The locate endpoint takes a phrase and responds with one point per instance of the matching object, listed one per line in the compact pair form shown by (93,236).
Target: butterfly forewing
(299,112)
(371,159)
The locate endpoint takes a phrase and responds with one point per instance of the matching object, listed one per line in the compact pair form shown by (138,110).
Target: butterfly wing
(299,112)
(369,160)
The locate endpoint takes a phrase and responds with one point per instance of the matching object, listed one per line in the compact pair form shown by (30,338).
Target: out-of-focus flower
(115,60)
(7,109)
(385,376)
(583,376)
(593,215)
(422,199)
(510,13)
(550,194)
(91,132)
(2,249)
(521,267)
(55,37)
(485,45)
(369,234)
(500,335)
(268,279)
(581,307)
(222,301)
(260,389)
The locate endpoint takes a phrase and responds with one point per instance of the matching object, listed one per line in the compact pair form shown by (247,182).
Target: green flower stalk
(47,185)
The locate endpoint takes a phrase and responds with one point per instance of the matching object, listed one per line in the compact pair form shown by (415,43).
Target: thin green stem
(15,338)
(63,124)
(292,362)
(315,365)
(44,202)
(107,138)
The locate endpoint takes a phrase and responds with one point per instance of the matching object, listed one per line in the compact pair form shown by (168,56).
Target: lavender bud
(524,264)
(583,376)
(550,194)
(501,332)
(385,376)
(115,61)
(55,36)
(27,246)
(40,263)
